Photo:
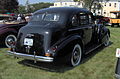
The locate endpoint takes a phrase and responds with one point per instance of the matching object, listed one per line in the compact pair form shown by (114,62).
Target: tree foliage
(62,0)
(76,0)
(38,6)
(21,9)
(34,7)
(8,6)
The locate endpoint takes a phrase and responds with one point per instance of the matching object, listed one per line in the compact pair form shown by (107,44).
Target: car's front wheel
(76,55)
(10,38)
(107,40)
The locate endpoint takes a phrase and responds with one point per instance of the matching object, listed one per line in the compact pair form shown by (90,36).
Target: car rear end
(32,43)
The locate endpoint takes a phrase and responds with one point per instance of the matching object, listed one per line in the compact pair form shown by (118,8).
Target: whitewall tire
(107,40)
(10,38)
(76,55)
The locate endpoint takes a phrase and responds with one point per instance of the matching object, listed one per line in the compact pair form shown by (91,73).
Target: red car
(102,19)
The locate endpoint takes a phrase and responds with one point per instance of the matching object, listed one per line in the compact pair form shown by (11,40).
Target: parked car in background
(9,31)
(63,33)
(7,18)
(9,28)
(103,20)
(116,20)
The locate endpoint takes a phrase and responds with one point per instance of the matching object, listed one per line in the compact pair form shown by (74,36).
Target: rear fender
(64,48)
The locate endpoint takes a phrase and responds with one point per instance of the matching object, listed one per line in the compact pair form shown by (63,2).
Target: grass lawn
(98,65)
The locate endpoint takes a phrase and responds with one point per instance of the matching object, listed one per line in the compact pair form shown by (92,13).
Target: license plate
(28,42)
(118,52)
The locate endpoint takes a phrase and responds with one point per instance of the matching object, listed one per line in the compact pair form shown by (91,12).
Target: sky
(33,1)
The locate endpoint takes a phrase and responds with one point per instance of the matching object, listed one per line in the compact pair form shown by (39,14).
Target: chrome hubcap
(76,55)
(10,39)
(107,41)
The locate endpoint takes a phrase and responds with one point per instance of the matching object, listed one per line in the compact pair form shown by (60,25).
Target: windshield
(46,17)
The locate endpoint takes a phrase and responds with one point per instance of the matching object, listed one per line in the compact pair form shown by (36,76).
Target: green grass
(98,65)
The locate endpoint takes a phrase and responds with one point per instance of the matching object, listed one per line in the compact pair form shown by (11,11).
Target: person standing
(19,18)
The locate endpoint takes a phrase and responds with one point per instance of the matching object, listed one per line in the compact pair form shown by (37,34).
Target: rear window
(46,17)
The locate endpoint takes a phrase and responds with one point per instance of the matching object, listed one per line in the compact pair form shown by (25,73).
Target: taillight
(54,48)
(47,54)
(51,52)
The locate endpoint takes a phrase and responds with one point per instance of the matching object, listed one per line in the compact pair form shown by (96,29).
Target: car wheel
(10,38)
(76,55)
(107,40)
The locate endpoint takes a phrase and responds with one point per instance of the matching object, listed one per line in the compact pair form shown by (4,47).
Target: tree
(21,9)
(34,7)
(8,6)
(28,7)
(76,0)
(41,5)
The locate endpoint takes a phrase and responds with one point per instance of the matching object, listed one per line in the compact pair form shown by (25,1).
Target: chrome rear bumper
(31,57)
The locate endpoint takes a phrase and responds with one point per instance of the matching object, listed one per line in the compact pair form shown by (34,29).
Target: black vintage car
(63,33)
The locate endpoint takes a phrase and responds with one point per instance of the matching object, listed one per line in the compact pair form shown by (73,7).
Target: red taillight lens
(54,48)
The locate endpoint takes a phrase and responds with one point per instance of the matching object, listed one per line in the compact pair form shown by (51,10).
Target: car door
(86,26)
(80,25)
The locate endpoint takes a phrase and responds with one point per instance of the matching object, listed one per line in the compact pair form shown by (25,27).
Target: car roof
(66,10)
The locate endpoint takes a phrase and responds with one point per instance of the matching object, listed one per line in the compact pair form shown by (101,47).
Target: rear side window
(90,19)
(51,17)
(37,17)
(75,20)
(84,19)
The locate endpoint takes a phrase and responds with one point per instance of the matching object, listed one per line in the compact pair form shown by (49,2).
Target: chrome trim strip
(31,57)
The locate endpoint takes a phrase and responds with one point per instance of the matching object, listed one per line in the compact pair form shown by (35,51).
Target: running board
(93,48)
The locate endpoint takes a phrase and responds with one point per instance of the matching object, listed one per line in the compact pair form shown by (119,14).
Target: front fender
(7,30)
(103,34)
(105,31)
(4,32)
